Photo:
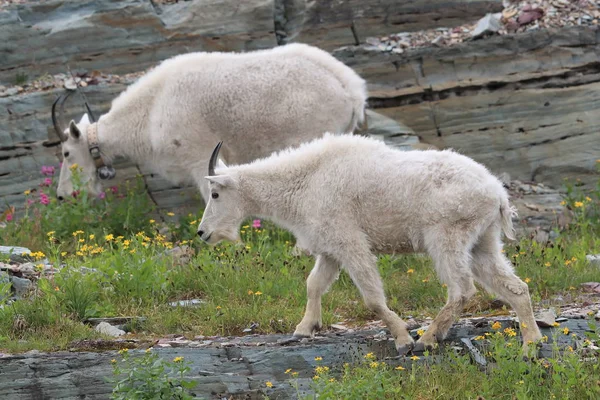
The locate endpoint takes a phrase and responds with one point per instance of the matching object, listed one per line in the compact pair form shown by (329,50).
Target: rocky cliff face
(525,103)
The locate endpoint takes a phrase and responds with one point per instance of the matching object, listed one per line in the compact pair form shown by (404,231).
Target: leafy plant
(150,377)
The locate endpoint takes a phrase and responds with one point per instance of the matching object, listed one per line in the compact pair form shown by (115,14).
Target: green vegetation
(129,271)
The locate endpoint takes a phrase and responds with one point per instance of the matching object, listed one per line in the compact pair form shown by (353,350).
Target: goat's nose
(200,233)
(60,198)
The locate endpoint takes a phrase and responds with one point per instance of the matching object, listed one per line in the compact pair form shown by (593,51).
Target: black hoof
(405,349)
(420,348)
(292,339)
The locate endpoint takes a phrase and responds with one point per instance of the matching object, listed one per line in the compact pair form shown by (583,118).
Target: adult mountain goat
(346,198)
(257,102)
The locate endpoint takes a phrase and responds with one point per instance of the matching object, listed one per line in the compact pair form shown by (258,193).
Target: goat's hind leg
(324,273)
(495,273)
(453,270)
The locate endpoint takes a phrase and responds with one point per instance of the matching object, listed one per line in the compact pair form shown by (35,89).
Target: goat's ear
(74,130)
(84,120)
(221,180)
(221,164)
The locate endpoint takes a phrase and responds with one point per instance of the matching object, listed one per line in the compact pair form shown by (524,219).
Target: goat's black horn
(57,115)
(213,159)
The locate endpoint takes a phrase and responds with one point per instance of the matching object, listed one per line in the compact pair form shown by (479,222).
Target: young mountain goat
(257,102)
(348,197)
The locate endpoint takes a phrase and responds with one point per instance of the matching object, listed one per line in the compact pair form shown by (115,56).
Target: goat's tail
(358,93)
(507,212)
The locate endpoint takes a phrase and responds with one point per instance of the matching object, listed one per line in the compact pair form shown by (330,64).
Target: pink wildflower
(75,193)
(30,202)
(114,189)
(44,199)
(46,182)
(47,170)
(256,223)
(9,217)
(101,195)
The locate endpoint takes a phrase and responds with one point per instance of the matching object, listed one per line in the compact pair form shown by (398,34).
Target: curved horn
(57,119)
(90,113)
(213,159)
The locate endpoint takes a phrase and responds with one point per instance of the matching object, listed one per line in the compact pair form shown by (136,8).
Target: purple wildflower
(256,223)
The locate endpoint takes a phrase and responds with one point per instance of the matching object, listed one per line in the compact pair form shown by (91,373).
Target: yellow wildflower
(152,221)
(497,325)
(420,332)
(248,247)
(510,332)
(170,214)
(132,251)
(74,167)
(587,198)
(425,280)
(368,356)
(444,285)
(415,358)
(294,373)
(479,337)
(573,259)
(578,204)
(287,371)
(81,240)
(109,237)
(567,262)
(320,370)
(27,192)
(544,338)
(113,361)
(51,233)
(527,280)
(57,289)
(123,351)
(562,203)
(374,364)
(218,307)
(547,264)
(318,358)
(523,325)
(194,222)
(555,324)
(331,379)
(257,293)
(92,236)
(178,359)
(566,331)
(269,384)
(410,271)
(250,292)
(400,368)
(63,253)
(316,377)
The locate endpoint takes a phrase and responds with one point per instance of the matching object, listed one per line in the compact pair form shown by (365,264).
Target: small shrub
(150,377)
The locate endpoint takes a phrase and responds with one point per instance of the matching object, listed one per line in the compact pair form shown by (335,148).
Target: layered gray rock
(227,367)
(525,104)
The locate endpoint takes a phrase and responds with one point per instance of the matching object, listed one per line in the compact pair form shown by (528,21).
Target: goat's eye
(215,195)
(66,154)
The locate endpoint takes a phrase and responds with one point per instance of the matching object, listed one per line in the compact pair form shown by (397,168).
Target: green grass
(260,281)
(455,376)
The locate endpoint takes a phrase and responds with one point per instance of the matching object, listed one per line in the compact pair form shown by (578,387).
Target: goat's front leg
(325,271)
(362,268)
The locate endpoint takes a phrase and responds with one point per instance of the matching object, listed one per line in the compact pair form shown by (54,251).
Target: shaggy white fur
(347,197)
(257,102)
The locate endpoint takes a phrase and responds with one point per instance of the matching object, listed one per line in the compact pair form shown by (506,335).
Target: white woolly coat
(345,188)
(256,102)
